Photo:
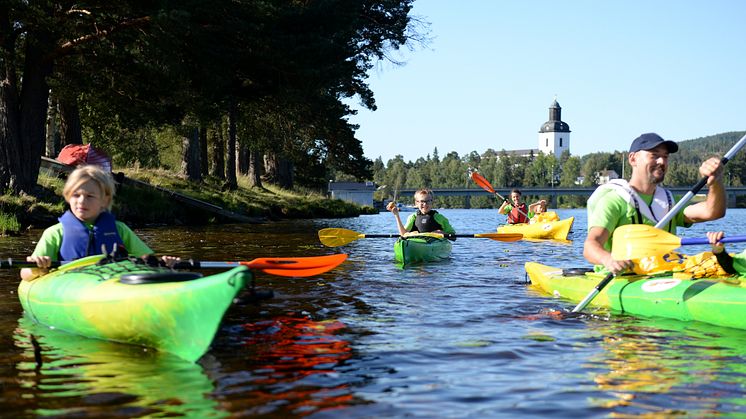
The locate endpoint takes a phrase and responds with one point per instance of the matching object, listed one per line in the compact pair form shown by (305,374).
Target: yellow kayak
(551,230)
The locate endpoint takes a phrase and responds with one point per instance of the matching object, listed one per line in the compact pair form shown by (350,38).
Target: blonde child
(425,219)
(88,227)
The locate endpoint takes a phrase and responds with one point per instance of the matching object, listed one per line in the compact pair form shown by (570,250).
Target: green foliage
(9,224)
(505,171)
(268,202)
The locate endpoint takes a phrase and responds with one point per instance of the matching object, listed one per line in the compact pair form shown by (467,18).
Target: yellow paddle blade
(635,241)
(333,237)
(503,237)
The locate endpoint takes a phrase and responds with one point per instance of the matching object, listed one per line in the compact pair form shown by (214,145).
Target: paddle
(333,237)
(289,266)
(666,218)
(482,182)
(635,241)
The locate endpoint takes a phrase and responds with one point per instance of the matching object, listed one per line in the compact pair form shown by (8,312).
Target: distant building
(605,176)
(528,152)
(554,135)
(356,192)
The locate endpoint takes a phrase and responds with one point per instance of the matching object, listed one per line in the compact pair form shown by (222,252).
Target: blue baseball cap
(650,141)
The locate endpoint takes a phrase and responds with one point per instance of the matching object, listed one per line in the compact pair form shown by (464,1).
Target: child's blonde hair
(426,192)
(93,173)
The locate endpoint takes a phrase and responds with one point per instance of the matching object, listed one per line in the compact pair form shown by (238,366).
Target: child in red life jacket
(517,211)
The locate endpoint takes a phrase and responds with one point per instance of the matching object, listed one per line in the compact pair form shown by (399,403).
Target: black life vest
(425,223)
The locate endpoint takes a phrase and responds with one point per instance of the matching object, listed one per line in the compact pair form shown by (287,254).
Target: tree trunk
(23,108)
(203,151)
(286,174)
(255,169)
(270,167)
(190,159)
(242,158)
(52,146)
(70,131)
(31,142)
(217,158)
(9,126)
(230,170)
(279,170)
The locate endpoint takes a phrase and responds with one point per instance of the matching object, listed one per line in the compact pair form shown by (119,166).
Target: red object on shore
(77,154)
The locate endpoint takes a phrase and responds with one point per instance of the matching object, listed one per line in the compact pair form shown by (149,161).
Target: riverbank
(142,205)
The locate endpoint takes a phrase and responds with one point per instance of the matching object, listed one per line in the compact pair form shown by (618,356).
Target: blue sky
(617,69)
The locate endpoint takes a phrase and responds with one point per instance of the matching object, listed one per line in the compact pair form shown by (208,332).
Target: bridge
(552,193)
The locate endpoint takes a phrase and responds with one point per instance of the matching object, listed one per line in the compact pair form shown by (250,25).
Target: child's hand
(170,261)
(43,262)
(391,206)
(714,237)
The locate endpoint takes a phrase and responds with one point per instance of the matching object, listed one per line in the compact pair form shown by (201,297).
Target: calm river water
(461,338)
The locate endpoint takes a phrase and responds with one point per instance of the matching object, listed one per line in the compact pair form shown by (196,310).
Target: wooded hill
(506,172)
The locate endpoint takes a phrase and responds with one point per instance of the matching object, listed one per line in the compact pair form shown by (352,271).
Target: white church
(554,136)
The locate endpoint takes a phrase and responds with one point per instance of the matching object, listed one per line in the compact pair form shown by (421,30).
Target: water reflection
(93,378)
(294,363)
(684,361)
(461,338)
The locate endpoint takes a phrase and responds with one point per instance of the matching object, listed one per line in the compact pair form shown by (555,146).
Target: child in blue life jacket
(425,220)
(87,228)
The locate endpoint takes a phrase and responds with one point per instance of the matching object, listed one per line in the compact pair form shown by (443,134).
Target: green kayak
(421,249)
(720,302)
(129,302)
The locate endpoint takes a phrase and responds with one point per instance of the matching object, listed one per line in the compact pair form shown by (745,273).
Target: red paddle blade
(300,266)
(482,182)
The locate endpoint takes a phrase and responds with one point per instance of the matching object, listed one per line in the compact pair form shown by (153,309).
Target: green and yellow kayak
(418,249)
(133,303)
(716,301)
(547,230)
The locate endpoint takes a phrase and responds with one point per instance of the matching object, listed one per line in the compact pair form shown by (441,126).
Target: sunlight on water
(461,338)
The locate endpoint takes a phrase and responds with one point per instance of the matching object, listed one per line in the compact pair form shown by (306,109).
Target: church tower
(554,135)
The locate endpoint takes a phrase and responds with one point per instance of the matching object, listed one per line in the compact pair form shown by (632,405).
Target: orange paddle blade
(300,266)
(481,181)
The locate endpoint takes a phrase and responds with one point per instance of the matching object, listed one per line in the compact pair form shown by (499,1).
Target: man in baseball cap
(642,200)
(650,141)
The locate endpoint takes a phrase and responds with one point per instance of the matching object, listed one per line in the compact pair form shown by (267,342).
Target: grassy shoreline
(145,206)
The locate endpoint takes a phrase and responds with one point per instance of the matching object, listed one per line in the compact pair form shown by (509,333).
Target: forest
(253,88)
(505,171)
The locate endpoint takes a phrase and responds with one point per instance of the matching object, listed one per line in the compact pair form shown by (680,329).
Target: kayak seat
(575,271)
(158,277)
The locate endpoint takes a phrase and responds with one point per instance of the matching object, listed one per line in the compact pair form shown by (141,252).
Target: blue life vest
(79,241)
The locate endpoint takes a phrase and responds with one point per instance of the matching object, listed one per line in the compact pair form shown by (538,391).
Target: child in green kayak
(87,228)
(425,219)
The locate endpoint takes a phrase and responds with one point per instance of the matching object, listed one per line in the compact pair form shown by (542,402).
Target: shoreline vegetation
(145,206)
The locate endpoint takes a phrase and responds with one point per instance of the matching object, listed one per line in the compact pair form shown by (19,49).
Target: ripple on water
(461,338)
